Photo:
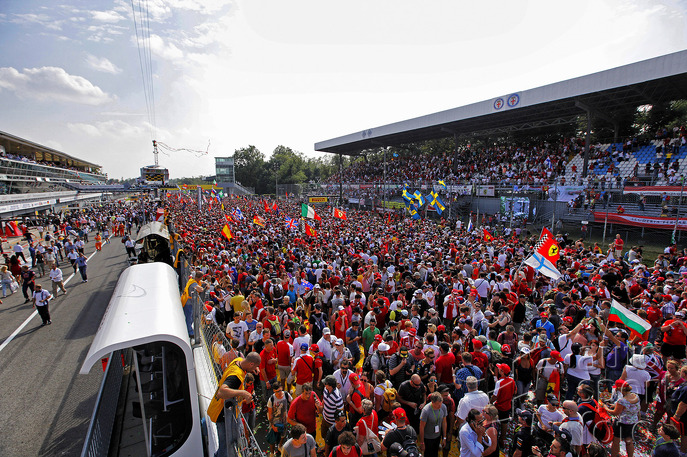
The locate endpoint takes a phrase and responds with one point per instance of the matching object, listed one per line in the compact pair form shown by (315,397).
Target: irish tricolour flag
(636,324)
(309,212)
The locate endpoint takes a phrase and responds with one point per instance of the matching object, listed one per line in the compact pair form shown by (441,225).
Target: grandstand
(34,178)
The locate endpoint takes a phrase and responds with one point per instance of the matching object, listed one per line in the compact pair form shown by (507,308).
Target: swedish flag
(413,211)
(420,199)
(436,202)
(406,195)
(442,183)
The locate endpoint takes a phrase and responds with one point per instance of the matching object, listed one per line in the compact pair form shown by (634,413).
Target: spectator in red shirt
(304,409)
(268,367)
(444,364)
(479,358)
(355,398)
(303,369)
(284,358)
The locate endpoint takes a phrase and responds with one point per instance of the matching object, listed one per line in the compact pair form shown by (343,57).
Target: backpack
(409,441)
(600,426)
(327,367)
(388,398)
(277,292)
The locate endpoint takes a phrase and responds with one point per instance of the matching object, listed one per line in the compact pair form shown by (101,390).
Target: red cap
(441,328)
(556,355)
(506,349)
(544,315)
(620,383)
(504,368)
(477,344)
(568,319)
(400,413)
(353,377)
(413,331)
(315,348)
(378,337)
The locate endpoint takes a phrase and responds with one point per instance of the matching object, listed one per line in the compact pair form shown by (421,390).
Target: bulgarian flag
(310,231)
(339,214)
(227,232)
(309,212)
(634,323)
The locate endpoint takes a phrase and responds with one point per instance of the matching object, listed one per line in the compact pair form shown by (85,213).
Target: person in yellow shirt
(236,302)
(199,285)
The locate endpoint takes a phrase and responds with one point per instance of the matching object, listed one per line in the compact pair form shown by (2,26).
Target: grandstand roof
(607,93)
(16,145)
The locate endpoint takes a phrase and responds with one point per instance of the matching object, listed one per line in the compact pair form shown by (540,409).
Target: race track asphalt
(45,404)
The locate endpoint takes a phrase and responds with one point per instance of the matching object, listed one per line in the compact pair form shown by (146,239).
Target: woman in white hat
(637,376)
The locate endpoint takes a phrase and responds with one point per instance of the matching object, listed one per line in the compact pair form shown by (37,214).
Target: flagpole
(677,214)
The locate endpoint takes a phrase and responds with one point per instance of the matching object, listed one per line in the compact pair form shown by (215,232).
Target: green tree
(249,166)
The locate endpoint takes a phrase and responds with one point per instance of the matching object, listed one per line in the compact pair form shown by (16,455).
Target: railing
(102,422)
(240,439)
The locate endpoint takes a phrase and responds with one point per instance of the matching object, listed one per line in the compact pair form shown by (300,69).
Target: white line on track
(34,314)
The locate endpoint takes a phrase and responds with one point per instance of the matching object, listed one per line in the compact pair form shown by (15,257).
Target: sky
(219,75)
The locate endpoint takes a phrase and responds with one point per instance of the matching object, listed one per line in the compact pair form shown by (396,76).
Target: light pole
(677,212)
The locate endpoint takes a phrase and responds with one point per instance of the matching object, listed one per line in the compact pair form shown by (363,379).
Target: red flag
(310,231)
(487,236)
(274,206)
(547,246)
(228,218)
(339,214)
(554,384)
(388,221)
(546,233)
(257,220)
(267,208)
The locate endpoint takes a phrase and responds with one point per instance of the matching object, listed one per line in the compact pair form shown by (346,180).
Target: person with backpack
(367,429)
(304,370)
(596,423)
(384,394)
(403,435)
(332,402)
(277,411)
(626,410)
(348,447)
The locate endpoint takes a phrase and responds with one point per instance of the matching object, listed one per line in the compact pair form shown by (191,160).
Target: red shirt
(675,335)
(304,369)
(358,395)
(283,354)
(444,367)
(505,389)
(480,360)
(270,368)
(371,422)
(305,412)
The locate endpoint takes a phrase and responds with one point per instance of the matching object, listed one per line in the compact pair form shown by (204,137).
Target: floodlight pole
(677,214)
(384,184)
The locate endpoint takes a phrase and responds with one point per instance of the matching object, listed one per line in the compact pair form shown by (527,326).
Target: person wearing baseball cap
(304,369)
(523,439)
(546,324)
(502,398)
(547,415)
(545,368)
(403,432)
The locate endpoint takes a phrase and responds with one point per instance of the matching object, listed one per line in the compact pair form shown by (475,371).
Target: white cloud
(168,51)
(114,128)
(51,83)
(109,17)
(102,64)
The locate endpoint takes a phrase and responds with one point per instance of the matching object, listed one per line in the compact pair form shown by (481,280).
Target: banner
(393,205)
(318,199)
(667,223)
(673,191)
(565,193)
(486,191)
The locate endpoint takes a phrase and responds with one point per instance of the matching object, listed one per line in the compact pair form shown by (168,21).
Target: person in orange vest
(98,242)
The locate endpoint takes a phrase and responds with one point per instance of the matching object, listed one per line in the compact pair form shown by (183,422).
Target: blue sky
(267,72)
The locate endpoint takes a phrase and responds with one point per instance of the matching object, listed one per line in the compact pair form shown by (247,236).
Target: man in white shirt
(325,343)
(19,251)
(572,423)
(40,302)
(473,399)
(238,330)
(57,280)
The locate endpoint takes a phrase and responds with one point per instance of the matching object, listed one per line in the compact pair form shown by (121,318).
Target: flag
(442,183)
(406,195)
(388,221)
(413,211)
(257,220)
(307,285)
(274,206)
(214,182)
(228,218)
(543,266)
(436,202)
(636,324)
(227,232)
(267,208)
(238,214)
(291,223)
(470,226)
(222,206)
(548,247)
(487,236)
(420,199)
(310,231)
(553,386)
(546,233)
(309,212)
(339,214)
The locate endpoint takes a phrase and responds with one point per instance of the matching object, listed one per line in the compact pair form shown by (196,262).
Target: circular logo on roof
(498,103)
(513,100)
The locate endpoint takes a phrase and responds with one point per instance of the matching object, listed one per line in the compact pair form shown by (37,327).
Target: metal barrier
(240,439)
(102,422)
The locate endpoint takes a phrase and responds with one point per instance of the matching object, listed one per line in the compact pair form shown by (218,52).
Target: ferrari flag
(339,214)
(310,231)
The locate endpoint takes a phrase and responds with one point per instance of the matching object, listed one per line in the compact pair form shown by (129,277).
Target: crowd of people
(383,334)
